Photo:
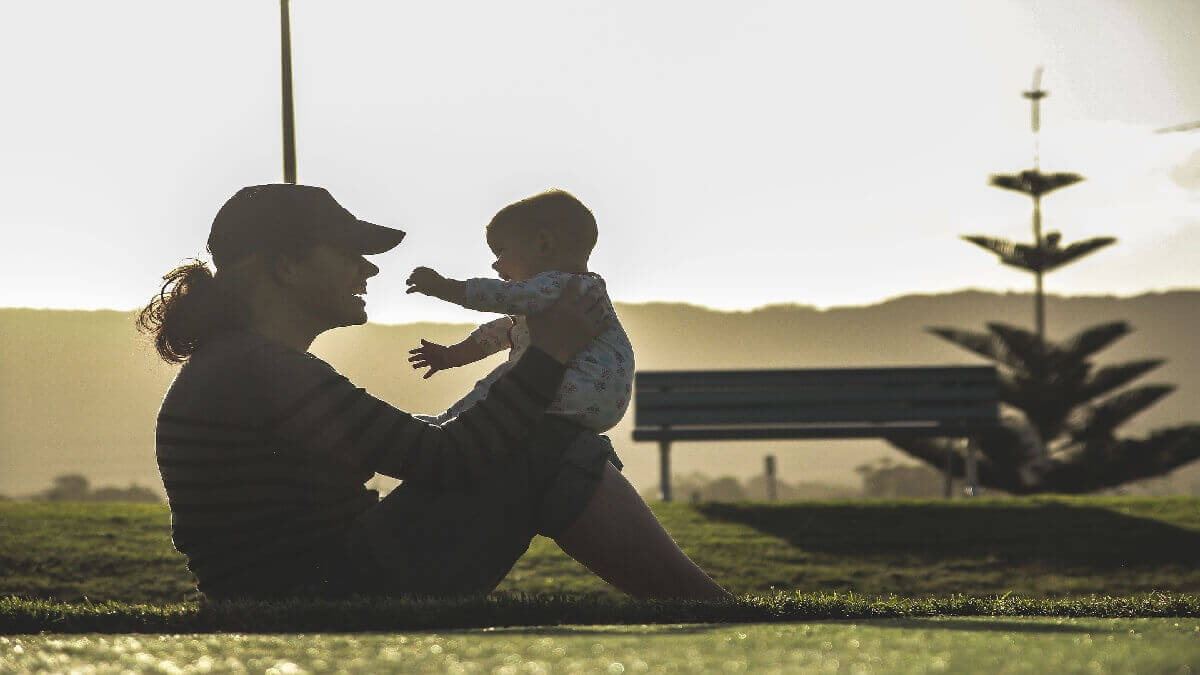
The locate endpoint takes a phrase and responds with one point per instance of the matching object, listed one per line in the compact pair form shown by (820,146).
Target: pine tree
(1058,436)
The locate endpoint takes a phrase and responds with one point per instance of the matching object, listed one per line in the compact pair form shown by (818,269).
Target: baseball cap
(282,216)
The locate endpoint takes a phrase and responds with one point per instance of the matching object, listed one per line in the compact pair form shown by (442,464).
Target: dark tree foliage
(1059,433)
(884,478)
(1033,182)
(1050,255)
(74,487)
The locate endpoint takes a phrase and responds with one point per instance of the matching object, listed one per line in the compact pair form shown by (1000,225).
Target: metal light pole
(289,124)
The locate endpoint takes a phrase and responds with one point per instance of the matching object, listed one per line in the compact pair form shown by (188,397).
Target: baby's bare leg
(618,538)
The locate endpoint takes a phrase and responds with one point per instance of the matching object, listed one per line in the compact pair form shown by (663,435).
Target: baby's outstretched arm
(438,357)
(484,341)
(428,282)
(529,296)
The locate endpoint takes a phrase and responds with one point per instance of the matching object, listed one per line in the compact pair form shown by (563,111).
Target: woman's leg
(437,541)
(618,538)
(441,540)
(428,540)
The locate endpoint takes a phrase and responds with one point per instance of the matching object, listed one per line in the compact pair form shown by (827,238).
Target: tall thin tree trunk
(1039,308)
(1039,303)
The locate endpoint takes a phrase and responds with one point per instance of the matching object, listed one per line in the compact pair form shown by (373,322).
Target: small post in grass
(664,468)
(289,125)
(770,460)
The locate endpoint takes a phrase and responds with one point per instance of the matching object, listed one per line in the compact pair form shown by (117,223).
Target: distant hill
(79,389)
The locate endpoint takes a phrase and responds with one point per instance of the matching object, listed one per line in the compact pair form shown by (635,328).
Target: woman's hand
(569,324)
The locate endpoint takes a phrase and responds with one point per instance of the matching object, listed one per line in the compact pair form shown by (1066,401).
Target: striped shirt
(264,451)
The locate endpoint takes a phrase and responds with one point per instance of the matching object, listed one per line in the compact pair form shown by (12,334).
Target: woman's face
(329,285)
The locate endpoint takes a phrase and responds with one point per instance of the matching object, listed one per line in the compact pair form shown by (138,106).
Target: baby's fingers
(425,345)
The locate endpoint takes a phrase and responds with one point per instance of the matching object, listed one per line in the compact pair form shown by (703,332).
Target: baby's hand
(425,280)
(430,355)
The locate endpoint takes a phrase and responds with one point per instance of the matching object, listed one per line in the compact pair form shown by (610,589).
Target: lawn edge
(30,615)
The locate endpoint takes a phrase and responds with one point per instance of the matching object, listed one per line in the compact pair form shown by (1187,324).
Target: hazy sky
(735,153)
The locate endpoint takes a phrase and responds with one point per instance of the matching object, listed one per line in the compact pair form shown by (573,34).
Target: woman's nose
(371,268)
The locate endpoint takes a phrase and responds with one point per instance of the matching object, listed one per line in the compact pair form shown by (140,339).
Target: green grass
(1053,547)
(22,615)
(97,550)
(963,645)
(1024,586)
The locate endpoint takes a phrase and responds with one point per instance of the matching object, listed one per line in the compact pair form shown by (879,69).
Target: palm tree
(1059,436)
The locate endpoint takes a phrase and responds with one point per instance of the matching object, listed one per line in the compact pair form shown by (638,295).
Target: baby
(540,243)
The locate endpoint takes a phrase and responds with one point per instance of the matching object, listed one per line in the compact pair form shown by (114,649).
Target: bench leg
(946,469)
(664,469)
(972,470)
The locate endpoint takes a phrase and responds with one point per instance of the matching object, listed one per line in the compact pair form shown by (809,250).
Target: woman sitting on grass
(264,449)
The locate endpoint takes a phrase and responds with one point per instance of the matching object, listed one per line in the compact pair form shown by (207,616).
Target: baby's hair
(555,210)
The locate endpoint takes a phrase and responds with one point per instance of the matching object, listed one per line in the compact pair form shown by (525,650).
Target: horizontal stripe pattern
(264,452)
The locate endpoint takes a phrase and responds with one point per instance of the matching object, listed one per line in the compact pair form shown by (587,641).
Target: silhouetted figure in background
(264,449)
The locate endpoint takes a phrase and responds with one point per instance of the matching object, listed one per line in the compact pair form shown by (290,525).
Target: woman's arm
(319,411)
(345,424)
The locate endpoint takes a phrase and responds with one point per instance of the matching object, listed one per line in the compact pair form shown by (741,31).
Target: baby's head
(551,230)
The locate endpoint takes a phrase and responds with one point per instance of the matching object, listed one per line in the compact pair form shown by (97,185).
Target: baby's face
(516,259)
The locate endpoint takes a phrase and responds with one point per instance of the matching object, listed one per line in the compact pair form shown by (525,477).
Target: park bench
(910,401)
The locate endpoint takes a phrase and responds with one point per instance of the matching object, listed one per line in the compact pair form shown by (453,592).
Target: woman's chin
(353,314)
(359,309)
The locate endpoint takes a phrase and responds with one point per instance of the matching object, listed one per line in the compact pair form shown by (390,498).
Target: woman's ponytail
(190,306)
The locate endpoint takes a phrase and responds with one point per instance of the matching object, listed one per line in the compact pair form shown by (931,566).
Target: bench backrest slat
(784,414)
(874,396)
(958,396)
(801,431)
(706,379)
